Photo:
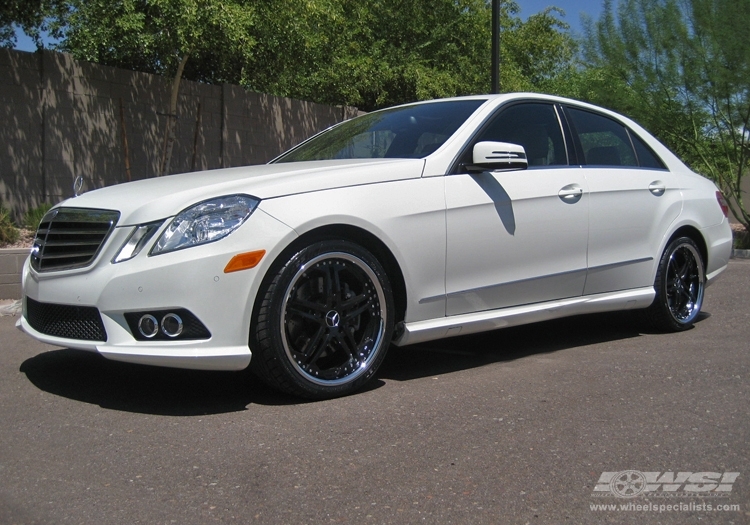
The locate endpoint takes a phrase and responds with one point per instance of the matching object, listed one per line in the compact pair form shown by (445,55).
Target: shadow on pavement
(508,344)
(90,378)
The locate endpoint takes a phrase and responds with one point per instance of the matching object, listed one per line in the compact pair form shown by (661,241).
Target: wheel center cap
(333,319)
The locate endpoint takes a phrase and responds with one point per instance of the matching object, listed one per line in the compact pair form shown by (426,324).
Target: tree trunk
(169,136)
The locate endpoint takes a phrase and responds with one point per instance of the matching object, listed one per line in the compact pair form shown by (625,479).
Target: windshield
(405,132)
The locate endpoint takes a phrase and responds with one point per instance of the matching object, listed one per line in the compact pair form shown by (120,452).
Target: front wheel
(324,323)
(679,286)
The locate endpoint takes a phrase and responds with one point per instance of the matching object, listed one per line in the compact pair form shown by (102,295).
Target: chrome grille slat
(77,255)
(70,238)
(71,243)
(63,233)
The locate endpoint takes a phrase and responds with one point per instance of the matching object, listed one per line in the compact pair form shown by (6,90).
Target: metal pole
(495,46)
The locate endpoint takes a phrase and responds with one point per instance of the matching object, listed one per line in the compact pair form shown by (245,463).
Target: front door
(517,237)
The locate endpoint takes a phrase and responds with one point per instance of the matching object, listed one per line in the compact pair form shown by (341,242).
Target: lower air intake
(66,321)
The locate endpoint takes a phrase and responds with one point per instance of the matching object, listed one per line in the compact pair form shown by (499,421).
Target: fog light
(171,325)
(148,326)
(174,324)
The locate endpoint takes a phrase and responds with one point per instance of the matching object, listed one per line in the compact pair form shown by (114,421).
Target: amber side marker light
(244,261)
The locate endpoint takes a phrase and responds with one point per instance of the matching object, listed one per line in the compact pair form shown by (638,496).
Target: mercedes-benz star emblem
(78,185)
(333,318)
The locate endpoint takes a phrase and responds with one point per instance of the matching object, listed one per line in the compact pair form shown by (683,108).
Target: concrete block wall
(21,157)
(63,118)
(11,264)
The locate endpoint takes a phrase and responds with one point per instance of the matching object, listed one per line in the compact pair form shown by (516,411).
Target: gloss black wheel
(679,286)
(325,323)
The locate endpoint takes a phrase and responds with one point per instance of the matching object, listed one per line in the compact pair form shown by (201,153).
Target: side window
(535,127)
(604,141)
(646,157)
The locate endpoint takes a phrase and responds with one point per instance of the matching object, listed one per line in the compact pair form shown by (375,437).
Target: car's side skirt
(421,331)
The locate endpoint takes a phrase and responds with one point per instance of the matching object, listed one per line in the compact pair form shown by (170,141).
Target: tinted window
(604,141)
(535,127)
(646,157)
(405,132)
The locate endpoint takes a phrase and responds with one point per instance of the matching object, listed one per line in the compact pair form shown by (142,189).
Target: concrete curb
(740,254)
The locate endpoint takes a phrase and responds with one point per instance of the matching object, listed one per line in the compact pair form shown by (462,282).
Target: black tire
(679,284)
(324,322)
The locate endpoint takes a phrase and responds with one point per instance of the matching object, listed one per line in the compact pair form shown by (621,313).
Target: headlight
(205,222)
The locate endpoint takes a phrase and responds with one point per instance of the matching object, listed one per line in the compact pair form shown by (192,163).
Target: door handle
(571,193)
(657,188)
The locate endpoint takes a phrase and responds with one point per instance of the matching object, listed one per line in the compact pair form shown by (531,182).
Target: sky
(573,10)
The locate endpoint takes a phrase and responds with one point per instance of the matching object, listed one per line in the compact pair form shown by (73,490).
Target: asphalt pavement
(584,420)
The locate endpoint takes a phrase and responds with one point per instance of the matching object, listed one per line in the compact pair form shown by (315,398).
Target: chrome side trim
(421,331)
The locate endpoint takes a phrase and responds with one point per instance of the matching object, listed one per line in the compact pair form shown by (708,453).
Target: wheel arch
(679,296)
(695,235)
(353,234)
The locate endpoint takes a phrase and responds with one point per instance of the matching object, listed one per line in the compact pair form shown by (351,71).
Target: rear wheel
(679,285)
(325,321)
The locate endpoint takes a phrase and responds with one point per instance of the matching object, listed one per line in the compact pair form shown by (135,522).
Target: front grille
(71,238)
(67,321)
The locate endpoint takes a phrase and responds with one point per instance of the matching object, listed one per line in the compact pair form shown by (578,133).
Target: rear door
(633,200)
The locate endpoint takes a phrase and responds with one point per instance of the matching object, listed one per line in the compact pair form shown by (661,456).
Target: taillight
(722,203)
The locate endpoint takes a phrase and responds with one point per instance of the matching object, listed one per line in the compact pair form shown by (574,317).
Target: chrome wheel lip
(364,365)
(685,312)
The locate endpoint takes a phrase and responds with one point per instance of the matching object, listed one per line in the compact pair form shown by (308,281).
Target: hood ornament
(78,185)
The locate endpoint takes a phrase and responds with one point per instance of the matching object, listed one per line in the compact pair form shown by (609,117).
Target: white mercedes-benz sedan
(413,223)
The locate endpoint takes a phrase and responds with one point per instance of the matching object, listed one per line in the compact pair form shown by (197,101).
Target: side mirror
(499,155)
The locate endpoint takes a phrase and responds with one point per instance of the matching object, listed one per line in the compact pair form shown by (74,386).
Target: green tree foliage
(368,54)
(683,71)
(539,54)
(29,15)
(374,54)
(154,36)
(384,52)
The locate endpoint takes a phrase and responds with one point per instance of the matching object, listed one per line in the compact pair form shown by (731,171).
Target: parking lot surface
(533,424)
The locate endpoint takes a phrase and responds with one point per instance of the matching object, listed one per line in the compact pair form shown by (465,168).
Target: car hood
(155,199)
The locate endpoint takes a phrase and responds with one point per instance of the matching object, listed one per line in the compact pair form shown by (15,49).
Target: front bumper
(192,279)
(204,356)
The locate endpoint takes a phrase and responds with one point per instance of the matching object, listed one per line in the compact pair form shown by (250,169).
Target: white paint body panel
(627,225)
(152,199)
(513,240)
(407,216)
